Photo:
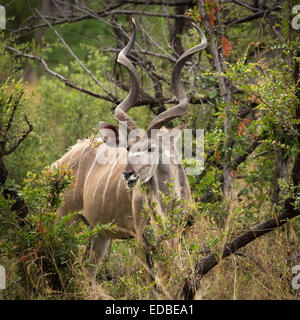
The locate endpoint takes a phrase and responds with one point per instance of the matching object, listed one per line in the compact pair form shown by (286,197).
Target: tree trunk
(281,172)
(19,206)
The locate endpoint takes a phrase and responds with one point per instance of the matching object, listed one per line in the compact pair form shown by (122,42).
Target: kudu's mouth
(131,182)
(130,178)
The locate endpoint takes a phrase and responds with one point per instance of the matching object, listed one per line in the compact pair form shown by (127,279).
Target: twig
(146,52)
(67,82)
(149,14)
(251,17)
(24,135)
(101,14)
(12,114)
(76,58)
(242,4)
(154,42)
(165,2)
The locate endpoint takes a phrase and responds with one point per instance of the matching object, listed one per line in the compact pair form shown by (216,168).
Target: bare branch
(145,99)
(253,16)
(242,157)
(235,163)
(12,114)
(101,14)
(146,52)
(24,135)
(154,42)
(247,18)
(206,264)
(149,14)
(76,58)
(59,76)
(242,4)
(165,2)
(62,19)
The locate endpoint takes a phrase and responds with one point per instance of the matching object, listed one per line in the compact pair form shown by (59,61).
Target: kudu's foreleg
(99,246)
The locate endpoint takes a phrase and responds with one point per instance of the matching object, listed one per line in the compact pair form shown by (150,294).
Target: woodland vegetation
(59,77)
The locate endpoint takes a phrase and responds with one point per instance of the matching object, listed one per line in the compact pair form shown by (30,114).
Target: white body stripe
(107,182)
(99,180)
(91,169)
(119,184)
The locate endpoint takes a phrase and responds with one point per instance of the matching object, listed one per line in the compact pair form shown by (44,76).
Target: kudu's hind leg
(98,249)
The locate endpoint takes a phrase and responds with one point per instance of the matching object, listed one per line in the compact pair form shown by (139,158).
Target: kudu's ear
(109,133)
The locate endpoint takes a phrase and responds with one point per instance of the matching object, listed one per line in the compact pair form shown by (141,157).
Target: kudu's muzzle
(130,177)
(127,174)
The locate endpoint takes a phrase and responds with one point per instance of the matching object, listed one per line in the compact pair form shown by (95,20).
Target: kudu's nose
(127,174)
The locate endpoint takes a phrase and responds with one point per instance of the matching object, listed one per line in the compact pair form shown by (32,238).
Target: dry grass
(262,270)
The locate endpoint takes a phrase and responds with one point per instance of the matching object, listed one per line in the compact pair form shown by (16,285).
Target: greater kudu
(107,192)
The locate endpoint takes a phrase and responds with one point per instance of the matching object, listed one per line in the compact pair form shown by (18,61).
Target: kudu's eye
(151,149)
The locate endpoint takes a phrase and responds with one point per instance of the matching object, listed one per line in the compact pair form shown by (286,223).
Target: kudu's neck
(167,179)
